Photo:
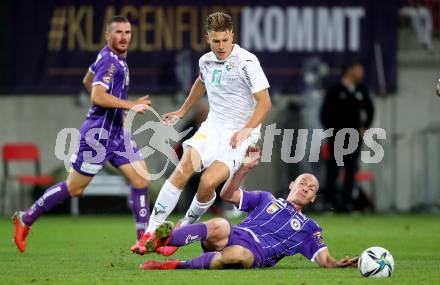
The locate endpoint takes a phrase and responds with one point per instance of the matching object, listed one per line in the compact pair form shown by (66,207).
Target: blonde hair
(219,22)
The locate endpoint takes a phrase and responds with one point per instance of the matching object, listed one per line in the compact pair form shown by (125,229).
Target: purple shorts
(243,238)
(90,160)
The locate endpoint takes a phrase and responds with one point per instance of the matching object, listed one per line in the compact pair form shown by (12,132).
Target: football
(376,262)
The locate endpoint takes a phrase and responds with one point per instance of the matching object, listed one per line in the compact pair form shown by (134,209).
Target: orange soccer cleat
(160,237)
(139,247)
(157,265)
(21,231)
(166,250)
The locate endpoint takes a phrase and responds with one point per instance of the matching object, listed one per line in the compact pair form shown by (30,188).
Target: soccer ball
(376,262)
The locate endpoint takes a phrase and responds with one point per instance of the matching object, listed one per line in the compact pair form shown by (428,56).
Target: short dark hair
(219,22)
(116,19)
(347,65)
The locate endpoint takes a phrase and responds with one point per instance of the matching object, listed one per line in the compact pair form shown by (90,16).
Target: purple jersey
(278,228)
(111,71)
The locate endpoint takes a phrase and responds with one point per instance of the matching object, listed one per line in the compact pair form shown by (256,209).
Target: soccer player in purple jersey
(274,228)
(102,136)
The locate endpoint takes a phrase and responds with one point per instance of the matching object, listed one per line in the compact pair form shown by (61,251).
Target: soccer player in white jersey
(239,101)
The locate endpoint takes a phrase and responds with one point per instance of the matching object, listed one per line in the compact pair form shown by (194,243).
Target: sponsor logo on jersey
(295,224)
(272,208)
(216,77)
(318,238)
(248,78)
(108,76)
(231,78)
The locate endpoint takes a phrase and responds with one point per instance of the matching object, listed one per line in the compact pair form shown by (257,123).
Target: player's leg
(53,196)
(214,175)
(234,256)
(214,234)
(172,188)
(137,175)
(169,196)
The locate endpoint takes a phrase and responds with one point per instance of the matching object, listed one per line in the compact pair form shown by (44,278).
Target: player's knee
(217,227)
(217,224)
(186,168)
(207,184)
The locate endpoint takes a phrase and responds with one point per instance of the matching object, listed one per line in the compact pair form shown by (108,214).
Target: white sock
(165,204)
(196,210)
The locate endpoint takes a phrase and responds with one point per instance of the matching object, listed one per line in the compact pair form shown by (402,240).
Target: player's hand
(142,104)
(251,159)
(172,117)
(239,136)
(348,262)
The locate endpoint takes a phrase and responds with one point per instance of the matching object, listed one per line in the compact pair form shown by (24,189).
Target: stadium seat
(22,153)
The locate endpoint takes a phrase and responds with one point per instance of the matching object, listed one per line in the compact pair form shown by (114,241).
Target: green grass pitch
(95,250)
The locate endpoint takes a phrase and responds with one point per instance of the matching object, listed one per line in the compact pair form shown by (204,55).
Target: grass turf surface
(95,250)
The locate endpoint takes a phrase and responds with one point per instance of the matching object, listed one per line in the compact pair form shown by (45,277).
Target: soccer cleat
(160,237)
(21,231)
(139,247)
(169,250)
(157,265)
(166,250)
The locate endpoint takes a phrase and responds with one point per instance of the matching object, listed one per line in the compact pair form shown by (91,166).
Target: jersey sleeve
(252,73)
(92,67)
(313,244)
(249,200)
(105,71)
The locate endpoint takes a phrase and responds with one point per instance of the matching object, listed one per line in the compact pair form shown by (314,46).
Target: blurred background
(306,48)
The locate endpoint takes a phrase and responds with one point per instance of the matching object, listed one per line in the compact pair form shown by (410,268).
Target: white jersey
(230,85)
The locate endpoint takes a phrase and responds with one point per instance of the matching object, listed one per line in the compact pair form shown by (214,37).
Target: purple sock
(140,207)
(52,197)
(201,262)
(189,234)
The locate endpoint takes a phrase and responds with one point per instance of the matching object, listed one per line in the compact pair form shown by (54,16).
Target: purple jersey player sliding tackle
(102,136)
(274,228)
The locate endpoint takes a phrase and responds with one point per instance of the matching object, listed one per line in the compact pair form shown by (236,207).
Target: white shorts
(212,143)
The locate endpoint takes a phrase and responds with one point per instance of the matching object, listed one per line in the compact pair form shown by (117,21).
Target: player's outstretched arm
(262,108)
(197,91)
(231,190)
(88,80)
(324,259)
(101,97)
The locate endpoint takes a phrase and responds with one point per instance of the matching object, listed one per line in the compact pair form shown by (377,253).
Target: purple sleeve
(105,70)
(92,68)
(312,245)
(249,200)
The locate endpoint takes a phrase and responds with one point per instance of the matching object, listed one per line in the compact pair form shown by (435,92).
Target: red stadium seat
(22,153)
